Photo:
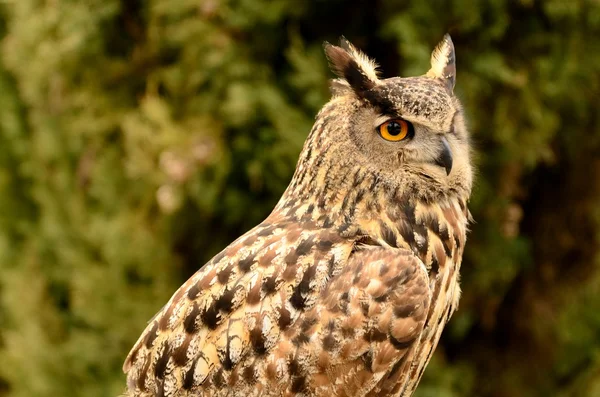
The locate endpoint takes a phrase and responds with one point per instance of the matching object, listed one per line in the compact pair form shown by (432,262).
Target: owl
(345,288)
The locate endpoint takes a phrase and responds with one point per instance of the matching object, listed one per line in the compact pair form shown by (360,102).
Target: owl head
(410,131)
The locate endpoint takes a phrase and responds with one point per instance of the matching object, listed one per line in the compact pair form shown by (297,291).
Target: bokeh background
(138,138)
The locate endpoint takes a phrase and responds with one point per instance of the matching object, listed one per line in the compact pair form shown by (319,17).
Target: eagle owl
(345,288)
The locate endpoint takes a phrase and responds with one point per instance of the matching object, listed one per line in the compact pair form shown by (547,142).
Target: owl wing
(361,335)
(280,328)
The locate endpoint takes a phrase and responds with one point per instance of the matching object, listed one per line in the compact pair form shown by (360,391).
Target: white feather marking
(367,65)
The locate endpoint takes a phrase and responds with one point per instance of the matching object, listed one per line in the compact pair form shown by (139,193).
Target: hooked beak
(445,157)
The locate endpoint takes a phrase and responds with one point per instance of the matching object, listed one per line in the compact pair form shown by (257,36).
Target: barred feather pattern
(343,290)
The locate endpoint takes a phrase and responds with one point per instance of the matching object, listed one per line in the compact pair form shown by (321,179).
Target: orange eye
(396,130)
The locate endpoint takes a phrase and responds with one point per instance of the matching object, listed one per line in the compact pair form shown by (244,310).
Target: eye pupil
(394,128)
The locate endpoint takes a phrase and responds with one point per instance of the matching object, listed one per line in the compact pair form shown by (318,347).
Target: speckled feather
(345,288)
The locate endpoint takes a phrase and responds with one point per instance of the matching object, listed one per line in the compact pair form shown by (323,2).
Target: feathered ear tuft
(354,67)
(443,63)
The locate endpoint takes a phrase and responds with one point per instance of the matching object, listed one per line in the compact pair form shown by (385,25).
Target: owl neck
(356,203)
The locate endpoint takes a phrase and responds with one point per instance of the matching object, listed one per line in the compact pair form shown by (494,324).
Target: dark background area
(139,138)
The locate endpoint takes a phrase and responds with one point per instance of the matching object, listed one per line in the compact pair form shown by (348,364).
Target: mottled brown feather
(345,288)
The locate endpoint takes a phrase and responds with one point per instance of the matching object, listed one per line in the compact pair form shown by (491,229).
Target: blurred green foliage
(138,138)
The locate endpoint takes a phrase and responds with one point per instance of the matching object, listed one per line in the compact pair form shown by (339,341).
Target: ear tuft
(443,63)
(352,66)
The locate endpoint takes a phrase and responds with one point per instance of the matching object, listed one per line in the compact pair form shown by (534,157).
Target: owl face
(409,130)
